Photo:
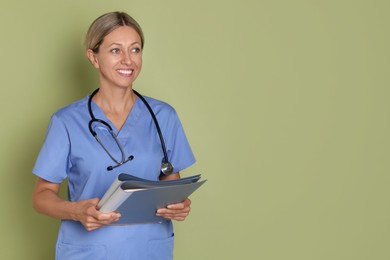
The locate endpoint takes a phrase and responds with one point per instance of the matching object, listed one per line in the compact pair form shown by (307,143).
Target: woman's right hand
(47,201)
(86,212)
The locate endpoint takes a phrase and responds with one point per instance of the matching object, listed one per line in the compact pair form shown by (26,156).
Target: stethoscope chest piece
(166,168)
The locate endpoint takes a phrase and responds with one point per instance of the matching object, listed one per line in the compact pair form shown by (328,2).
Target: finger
(180,205)
(173,211)
(179,216)
(94,215)
(172,215)
(102,217)
(92,223)
(91,226)
(176,206)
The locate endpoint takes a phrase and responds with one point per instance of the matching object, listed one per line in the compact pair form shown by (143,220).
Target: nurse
(114,46)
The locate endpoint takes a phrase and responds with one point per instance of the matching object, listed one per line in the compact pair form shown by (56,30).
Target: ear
(92,58)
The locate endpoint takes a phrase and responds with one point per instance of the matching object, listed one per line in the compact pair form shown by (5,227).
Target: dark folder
(138,199)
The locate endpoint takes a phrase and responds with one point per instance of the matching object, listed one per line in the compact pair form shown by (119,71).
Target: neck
(115,101)
(116,105)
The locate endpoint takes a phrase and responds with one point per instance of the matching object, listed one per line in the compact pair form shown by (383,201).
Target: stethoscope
(166,166)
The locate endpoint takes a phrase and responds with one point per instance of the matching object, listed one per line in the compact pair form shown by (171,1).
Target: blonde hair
(105,24)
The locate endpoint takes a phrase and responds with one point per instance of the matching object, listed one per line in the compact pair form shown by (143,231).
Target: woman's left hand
(178,211)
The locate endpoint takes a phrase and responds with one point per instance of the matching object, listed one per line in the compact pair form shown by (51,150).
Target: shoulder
(161,108)
(69,116)
(78,107)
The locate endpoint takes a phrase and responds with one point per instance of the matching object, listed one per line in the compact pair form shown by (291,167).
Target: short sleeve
(53,160)
(178,147)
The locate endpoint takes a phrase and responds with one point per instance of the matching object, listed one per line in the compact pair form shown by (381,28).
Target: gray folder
(138,199)
(142,205)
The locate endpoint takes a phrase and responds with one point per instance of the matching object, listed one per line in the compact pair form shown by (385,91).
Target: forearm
(48,202)
(172,176)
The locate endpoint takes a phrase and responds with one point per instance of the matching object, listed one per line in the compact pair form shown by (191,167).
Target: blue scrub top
(70,151)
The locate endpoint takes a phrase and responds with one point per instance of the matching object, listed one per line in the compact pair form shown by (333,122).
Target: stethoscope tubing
(156,124)
(166,165)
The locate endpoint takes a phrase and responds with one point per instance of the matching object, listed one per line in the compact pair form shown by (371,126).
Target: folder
(138,199)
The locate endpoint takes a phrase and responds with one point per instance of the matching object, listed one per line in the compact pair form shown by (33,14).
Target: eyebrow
(115,43)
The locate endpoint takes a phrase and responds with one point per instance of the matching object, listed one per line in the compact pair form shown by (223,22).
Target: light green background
(285,103)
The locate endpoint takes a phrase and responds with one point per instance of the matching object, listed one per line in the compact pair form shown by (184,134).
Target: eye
(136,50)
(115,50)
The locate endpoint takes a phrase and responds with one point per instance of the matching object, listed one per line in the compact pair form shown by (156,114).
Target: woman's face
(119,59)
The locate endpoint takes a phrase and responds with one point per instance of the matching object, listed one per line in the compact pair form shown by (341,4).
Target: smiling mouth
(126,72)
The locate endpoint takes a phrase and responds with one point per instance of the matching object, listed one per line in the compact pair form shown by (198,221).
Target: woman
(114,44)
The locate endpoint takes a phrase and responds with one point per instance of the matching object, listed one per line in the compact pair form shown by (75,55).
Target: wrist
(73,210)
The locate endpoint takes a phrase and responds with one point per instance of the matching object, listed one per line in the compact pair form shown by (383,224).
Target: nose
(126,58)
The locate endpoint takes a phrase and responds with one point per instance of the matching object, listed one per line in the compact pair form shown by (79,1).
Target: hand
(178,211)
(90,217)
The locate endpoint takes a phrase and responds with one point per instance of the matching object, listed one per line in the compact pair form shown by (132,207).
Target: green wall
(285,103)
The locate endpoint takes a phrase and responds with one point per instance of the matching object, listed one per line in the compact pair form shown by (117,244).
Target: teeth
(127,72)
